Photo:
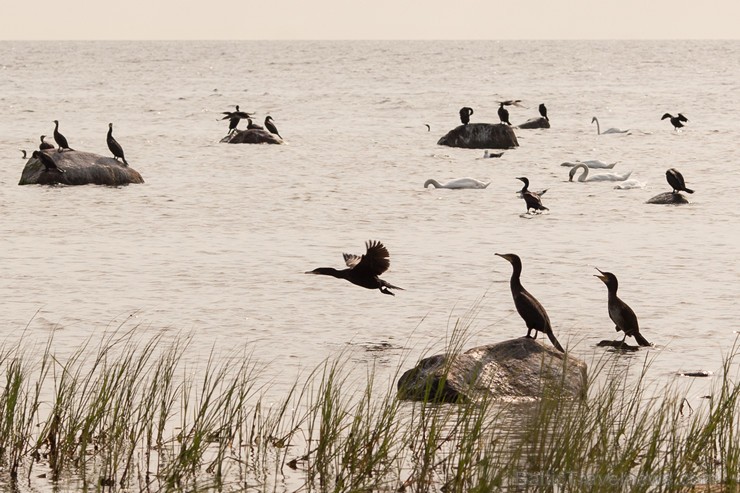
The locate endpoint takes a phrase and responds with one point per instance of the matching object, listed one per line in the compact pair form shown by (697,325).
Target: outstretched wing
(682,118)
(351,260)
(375,261)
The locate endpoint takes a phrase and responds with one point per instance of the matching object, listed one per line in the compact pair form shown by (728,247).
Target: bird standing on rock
(270,125)
(465,113)
(364,271)
(543,111)
(114,146)
(47,161)
(60,139)
(44,145)
(675,180)
(503,114)
(531,311)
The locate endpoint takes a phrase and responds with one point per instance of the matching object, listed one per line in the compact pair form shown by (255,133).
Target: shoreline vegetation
(136,413)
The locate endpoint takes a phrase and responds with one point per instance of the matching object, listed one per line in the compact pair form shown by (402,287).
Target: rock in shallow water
(80,168)
(539,122)
(668,198)
(480,136)
(515,369)
(252,136)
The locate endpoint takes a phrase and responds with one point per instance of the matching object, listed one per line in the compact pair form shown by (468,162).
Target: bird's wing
(667,115)
(351,260)
(682,118)
(375,261)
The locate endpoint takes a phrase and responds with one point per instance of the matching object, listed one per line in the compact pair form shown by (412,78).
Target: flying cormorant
(47,161)
(114,146)
(270,125)
(675,180)
(533,313)
(620,313)
(543,111)
(59,138)
(465,113)
(532,199)
(364,270)
(676,121)
(45,145)
(503,114)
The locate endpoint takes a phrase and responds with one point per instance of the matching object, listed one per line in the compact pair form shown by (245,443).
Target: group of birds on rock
(365,270)
(503,113)
(48,162)
(235,117)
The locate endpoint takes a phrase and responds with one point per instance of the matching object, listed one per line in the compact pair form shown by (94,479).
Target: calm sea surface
(216,242)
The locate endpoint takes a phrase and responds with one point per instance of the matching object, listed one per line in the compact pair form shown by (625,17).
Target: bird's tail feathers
(688,190)
(641,340)
(555,342)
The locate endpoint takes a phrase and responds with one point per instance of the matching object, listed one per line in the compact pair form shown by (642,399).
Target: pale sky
(370,19)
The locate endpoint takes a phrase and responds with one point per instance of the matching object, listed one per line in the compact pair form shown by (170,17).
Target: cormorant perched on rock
(234,117)
(364,271)
(503,114)
(676,121)
(59,138)
(533,313)
(620,313)
(543,111)
(47,161)
(270,125)
(532,199)
(465,113)
(114,146)
(45,145)
(253,126)
(675,180)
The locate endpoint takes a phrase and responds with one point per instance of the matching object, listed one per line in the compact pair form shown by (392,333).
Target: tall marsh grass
(135,413)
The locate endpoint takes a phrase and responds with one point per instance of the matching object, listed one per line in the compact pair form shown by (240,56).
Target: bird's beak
(602,276)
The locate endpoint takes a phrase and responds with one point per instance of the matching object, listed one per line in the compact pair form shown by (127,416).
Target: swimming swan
(599,177)
(591,163)
(608,130)
(457,184)
(630,184)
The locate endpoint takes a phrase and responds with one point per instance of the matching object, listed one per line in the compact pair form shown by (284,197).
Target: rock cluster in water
(79,168)
(480,136)
(252,136)
(539,122)
(668,198)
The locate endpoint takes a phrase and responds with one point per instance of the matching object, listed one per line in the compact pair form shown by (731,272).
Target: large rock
(480,136)
(80,168)
(252,136)
(515,369)
(668,198)
(539,122)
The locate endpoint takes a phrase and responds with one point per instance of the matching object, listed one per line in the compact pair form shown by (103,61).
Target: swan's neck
(582,177)
(432,181)
(598,127)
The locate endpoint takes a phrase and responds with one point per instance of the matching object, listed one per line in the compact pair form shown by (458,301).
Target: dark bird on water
(24,153)
(543,111)
(675,180)
(270,125)
(45,145)
(364,271)
(533,313)
(114,146)
(620,313)
(503,114)
(676,121)
(47,161)
(60,139)
(532,199)
(465,113)
(429,129)
(253,126)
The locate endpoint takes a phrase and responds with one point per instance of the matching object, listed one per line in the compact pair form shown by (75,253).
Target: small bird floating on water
(675,180)
(532,312)
(114,146)
(364,270)
(620,313)
(24,153)
(676,121)
(465,113)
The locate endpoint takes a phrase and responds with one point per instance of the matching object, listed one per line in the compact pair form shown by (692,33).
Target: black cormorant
(24,153)
(676,121)
(503,114)
(675,179)
(270,125)
(59,138)
(620,313)
(543,111)
(235,114)
(45,145)
(253,126)
(364,270)
(532,199)
(47,161)
(465,113)
(533,313)
(114,146)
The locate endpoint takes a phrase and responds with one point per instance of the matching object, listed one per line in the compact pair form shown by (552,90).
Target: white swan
(457,184)
(630,184)
(487,154)
(599,177)
(608,130)
(591,163)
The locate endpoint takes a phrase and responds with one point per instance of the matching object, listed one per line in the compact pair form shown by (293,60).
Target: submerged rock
(668,198)
(252,136)
(539,122)
(79,168)
(480,136)
(518,368)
